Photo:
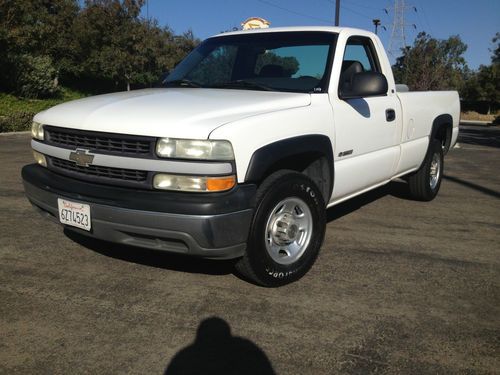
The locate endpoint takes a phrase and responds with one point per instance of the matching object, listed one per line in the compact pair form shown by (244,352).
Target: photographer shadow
(216,351)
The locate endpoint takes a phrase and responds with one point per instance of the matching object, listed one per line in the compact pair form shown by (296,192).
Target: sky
(476,22)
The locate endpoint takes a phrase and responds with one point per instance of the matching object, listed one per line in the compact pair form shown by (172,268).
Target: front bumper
(206,225)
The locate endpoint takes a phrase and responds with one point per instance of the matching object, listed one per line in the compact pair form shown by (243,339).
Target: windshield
(279,61)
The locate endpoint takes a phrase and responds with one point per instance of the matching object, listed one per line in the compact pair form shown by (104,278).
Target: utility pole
(337,12)
(376,22)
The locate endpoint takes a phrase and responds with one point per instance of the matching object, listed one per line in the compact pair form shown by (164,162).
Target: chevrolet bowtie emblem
(81,157)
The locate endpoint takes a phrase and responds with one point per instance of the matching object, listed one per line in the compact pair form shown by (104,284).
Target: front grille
(99,172)
(122,144)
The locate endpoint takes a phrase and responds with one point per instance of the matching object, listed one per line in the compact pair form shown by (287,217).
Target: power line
(353,3)
(355,12)
(344,7)
(337,11)
(425,16)
(294,12)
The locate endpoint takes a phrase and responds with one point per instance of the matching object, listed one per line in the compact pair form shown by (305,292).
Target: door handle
(390,115)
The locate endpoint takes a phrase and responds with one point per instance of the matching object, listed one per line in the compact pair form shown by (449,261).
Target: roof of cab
(331,29)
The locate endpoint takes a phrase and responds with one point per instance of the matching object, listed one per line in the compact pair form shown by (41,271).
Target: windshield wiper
(241,83)
(181,83)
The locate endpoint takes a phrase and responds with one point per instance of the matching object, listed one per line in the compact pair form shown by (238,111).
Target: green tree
(484,85)
(119,48)
(99,46)
(432,64)
(495,58)
(488,78)
(36,78)
(34,34)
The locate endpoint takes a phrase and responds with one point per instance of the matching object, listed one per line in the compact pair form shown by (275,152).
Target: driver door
(367,130)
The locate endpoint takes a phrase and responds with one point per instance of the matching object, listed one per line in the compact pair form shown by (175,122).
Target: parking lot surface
(400,287)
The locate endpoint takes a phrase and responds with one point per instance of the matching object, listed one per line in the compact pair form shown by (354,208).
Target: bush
(36,77)
(16,113)
(17,121)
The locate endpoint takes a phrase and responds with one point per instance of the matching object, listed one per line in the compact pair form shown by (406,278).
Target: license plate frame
(74,214)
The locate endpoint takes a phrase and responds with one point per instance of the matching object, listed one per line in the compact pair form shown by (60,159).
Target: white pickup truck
(253,136)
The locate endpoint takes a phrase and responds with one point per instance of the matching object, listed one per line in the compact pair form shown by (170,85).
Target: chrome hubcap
(435,171)
(288,230)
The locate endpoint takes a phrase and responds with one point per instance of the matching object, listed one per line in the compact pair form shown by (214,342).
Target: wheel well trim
(264,158)
(446,121)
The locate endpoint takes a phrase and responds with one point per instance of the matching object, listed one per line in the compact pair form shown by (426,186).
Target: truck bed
(421,108)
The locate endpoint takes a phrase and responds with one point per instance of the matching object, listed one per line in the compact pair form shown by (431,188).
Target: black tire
(269,260)
(425,183)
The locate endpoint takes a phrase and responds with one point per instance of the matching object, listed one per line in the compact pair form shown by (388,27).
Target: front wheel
(424,184)
(287,230)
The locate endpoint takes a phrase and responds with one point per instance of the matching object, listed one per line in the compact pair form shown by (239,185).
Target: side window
(360,50)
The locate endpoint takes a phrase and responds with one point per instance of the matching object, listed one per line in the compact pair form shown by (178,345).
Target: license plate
(74,214)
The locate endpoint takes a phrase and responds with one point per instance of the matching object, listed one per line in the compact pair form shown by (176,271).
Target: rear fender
(442,128)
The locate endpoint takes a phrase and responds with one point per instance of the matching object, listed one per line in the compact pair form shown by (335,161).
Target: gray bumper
(221,236)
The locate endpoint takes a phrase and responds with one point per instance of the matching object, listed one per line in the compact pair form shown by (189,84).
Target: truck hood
(168,112)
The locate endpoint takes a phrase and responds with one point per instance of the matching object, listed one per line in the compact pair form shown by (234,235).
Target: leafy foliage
(16,113)
(495,58)
(117,46)
(103,45)
(36,76)
(484,85)
(432,64)
(34,34)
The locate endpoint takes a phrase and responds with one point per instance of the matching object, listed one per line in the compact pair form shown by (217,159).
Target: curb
(475,123)
(15,133)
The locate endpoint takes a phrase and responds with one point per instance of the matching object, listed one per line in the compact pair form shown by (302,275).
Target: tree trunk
(128,86)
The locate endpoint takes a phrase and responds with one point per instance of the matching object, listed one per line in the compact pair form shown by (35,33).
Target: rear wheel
(287,230)
(425,183)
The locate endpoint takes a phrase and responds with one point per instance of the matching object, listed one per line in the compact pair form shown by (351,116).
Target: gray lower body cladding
(221,234)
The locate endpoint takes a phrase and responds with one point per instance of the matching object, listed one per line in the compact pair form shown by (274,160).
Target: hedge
(16,114)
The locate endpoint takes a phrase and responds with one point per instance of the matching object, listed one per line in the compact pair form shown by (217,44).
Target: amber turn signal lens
(220,184)
(200,184)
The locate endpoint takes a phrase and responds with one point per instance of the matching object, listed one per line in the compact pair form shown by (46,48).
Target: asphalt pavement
(400,287)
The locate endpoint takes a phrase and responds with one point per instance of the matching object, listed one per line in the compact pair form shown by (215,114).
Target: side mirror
(364,84)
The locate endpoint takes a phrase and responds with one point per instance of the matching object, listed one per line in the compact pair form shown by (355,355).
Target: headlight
(193,183)
(194,149)
(37,130)
(40,158)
